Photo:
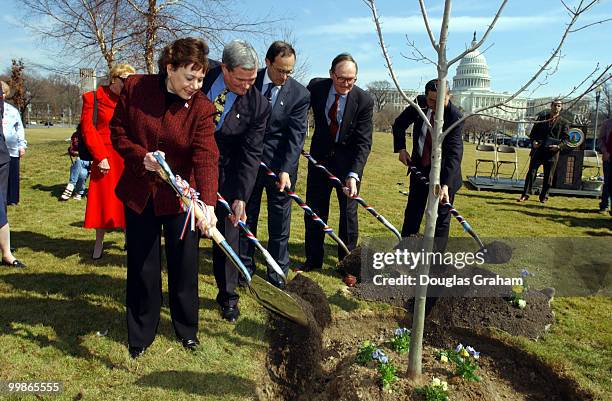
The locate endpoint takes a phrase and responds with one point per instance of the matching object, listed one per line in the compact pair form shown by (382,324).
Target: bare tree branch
(484,36)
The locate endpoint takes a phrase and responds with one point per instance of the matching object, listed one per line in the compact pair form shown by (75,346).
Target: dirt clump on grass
(312,293)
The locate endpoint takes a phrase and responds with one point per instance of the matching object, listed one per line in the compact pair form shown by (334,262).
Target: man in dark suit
(341,141)
(240,126)
(283,143)
(452,153)
(547,132)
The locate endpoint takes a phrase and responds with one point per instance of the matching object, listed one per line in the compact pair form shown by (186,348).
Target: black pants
(144,292)
(415,210)
(13,183)
(226,274)
(318,192)
(4,177)
(279,225)
(549,161)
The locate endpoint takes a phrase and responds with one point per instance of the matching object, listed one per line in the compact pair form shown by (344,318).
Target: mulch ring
(507,372)
(471,308)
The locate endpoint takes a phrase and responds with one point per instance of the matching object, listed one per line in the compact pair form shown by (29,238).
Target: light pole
(597,95)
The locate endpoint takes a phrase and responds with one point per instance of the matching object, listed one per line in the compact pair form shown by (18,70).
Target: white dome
(472,72)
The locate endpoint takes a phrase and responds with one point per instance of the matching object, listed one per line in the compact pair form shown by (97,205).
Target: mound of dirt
(471,306)
(294,358)
(508,373)
(498,252)
(475,313)
(310,292)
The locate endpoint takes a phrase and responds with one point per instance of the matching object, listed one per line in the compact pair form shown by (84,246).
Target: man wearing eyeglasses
(341,141)
(283,141)
(547,132)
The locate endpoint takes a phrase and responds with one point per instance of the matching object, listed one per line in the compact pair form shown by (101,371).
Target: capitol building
(471,90)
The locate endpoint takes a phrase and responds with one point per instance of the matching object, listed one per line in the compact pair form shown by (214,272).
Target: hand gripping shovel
(270,297)
(251,237)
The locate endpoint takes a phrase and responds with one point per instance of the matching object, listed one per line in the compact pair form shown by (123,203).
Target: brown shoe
(523,198)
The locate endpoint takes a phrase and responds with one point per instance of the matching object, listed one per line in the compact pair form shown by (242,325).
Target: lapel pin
(237,115)
(282,104)
(186,105)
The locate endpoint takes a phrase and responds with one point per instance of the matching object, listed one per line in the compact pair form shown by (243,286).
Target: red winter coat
(104,209)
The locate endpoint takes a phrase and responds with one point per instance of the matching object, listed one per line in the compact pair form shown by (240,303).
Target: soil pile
(294,358)
(473,306)
(508,373)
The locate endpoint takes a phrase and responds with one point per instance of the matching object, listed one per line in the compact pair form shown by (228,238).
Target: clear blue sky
(524,37)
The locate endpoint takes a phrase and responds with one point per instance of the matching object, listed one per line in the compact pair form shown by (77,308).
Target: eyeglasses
(345,80)
(281,71)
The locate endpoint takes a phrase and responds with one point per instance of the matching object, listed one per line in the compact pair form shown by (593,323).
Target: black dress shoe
(135,352)
(15,263)
(190,343)
(308,268)
(230,313)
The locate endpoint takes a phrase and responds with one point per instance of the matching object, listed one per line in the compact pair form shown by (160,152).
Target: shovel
(268,296)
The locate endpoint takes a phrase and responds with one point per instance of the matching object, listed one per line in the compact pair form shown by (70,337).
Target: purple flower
(400,331)
(470,350)
(376,354)
(459,347)
(383,359)
(525,273)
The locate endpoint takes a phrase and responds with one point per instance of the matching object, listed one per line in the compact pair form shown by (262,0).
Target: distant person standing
(605,137)
(5,233)
(16,143)
(104,209)
(548,131)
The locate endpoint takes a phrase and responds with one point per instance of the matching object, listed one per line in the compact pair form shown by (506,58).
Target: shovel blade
(276,300)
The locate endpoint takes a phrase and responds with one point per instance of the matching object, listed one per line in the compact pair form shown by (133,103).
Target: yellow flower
(517,289)
(443,358)
(464,353)
(436,382)
(444,386)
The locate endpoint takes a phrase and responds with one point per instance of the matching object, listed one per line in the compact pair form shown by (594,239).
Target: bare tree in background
(381,92)
(134,30)
(18,91)
(90,30)
(442,64)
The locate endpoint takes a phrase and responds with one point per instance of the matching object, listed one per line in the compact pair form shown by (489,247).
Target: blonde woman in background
(104,210)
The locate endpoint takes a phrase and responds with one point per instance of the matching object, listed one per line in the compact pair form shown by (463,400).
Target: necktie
(219,104)
(333,118)
(426,155)
(268,93)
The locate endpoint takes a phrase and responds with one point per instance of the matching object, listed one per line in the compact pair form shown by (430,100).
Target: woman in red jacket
(104,210)
(165,112)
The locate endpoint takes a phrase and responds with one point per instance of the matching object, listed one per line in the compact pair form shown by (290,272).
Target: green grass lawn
(63,318)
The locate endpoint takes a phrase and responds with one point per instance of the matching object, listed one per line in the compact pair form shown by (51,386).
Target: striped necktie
(220,105)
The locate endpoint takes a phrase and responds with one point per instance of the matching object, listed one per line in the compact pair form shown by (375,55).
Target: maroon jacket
(145,121)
